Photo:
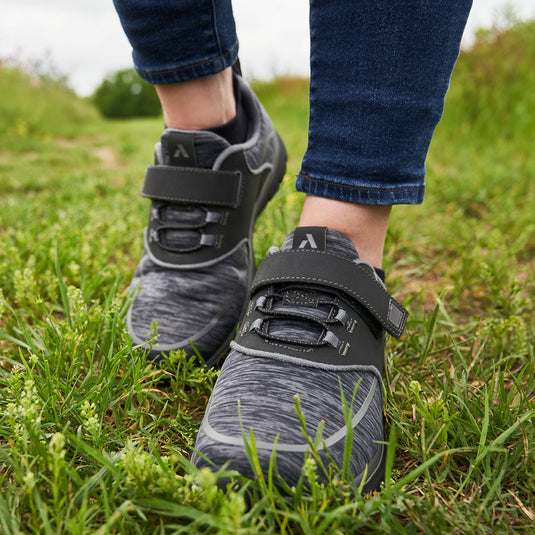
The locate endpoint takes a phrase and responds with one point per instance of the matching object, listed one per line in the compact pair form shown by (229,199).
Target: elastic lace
(180,228)
(302,325)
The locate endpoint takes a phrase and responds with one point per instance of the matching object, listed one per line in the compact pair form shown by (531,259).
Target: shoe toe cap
(258,394)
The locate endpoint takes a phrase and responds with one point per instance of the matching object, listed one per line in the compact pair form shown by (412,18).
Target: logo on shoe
(181,152)
(309,238)
(308,241)
(180,147)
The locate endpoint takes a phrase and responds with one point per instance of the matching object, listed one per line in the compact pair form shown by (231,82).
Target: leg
(392,90)
(365,225)
(199,104)
(319,311)
(179,41)
(185,50)
(218,162)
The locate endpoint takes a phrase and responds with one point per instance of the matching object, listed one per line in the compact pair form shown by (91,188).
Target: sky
(84,39)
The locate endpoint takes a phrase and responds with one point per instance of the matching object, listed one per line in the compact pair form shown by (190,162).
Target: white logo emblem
(308,241)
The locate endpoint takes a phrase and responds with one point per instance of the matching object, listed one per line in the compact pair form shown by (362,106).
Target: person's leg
(217,164)
(199,104)
(373,109)
(179,41)
(186,50)
(319,309)
(365,225)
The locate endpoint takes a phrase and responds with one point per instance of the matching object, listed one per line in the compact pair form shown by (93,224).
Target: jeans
(380,70)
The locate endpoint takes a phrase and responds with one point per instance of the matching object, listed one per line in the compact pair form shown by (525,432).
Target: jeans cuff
(361,194)
(185,73)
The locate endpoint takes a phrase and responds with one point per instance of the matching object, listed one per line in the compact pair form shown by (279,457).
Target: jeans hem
(376,196)
(201,69)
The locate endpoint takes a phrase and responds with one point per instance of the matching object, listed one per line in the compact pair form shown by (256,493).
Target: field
(96,439)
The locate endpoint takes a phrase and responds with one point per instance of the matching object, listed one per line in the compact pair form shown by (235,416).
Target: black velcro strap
(192,186)
(327,269)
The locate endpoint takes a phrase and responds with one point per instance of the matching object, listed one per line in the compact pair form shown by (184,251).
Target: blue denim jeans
(380,70)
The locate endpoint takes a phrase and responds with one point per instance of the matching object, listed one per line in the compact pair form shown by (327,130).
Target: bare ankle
(198,104)
(364,225)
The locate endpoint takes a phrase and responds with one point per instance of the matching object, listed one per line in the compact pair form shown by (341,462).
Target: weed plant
(96,439)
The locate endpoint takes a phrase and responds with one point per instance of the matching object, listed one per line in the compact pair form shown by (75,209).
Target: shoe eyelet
(256,325)
(331,339)
(260,302)
(344,348)
(154,236)
(155,214)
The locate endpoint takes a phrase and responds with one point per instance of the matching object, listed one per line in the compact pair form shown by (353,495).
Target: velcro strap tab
(192,186)
(327,269)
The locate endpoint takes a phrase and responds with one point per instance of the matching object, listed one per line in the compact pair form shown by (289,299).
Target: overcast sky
(85,41)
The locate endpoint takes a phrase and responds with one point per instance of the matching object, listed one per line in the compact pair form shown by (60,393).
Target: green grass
(95,439)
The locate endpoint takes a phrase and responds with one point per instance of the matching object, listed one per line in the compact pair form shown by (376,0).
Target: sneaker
(315,327)
(198,261)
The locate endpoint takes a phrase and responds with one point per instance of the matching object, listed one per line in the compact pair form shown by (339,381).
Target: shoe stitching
(396,330)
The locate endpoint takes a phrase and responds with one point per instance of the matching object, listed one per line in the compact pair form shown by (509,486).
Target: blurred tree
(125,94)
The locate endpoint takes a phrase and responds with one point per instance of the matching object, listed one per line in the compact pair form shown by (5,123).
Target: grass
(95,439)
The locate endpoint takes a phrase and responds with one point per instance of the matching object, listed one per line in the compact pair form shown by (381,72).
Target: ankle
(199,104)
(364,225)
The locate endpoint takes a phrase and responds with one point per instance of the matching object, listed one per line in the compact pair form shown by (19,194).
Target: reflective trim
(297,448)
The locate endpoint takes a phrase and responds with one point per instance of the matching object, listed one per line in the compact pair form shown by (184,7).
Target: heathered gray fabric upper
(188,304)
(265,387)
(202,304)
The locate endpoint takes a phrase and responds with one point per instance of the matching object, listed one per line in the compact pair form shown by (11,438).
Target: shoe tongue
(306,302)
(183,148)
(321,239)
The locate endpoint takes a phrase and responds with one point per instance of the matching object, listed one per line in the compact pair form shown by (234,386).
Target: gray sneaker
(198,261)
(315,328)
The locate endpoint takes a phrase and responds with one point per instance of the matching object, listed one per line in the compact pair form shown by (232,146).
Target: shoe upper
(198,257)
(215,189)
(314,329)
(308,303)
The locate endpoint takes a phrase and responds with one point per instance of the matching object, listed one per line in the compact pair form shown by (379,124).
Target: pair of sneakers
(313,318)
